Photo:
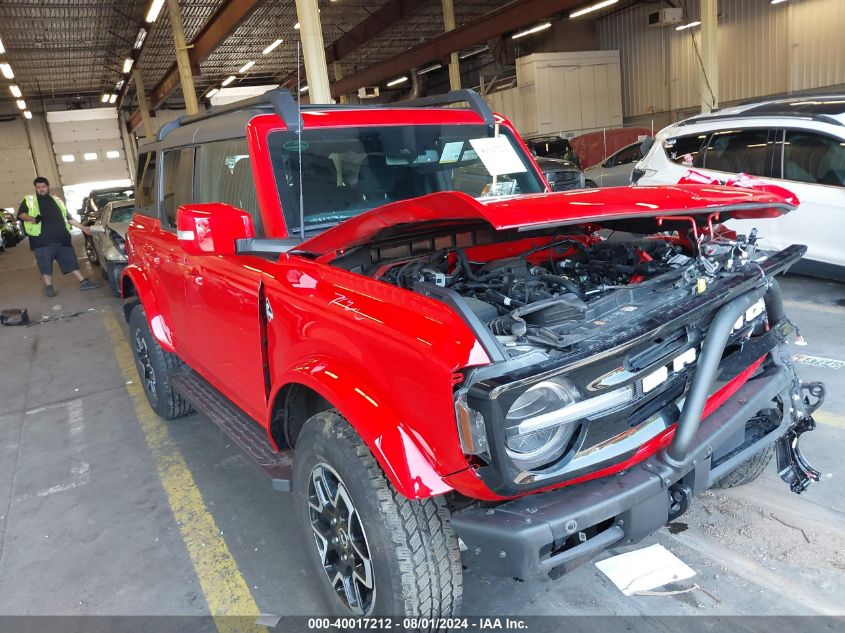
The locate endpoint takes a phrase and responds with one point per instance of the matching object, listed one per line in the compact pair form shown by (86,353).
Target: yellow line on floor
(225,590)
(829,419)
(813,307)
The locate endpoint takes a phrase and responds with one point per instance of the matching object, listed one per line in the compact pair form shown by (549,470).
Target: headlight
(534,448)
(119,242)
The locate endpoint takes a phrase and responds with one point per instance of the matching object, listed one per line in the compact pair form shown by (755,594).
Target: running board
(241,428)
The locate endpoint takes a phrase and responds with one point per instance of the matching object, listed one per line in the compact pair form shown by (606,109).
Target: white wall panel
(16,167)
(764,49)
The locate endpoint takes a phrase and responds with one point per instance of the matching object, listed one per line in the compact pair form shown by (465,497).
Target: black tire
(414,559)
(154,367)
(110,275)
(91,252)
(748,470)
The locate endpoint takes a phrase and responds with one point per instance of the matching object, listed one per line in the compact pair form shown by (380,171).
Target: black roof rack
(284,105)
(809,107)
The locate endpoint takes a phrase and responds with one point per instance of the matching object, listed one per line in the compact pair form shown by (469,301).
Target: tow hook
(679,500)
(792,466)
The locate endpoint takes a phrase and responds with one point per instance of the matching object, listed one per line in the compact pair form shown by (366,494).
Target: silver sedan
(108,236)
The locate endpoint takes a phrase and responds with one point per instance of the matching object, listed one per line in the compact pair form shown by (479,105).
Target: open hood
(547,210)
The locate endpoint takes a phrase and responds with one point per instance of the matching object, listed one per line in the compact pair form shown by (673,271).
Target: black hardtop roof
(281,102)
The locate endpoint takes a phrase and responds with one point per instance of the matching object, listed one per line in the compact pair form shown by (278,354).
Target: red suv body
(535,376)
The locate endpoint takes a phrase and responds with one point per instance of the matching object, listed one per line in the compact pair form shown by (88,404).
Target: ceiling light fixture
(119,85)
(6,69)
(27,114)
(397,81)
(113,98)
(21,104)
(430,69)
(591,8)
(139,40)
(211,93)
(104,98)
(687,26)
(155,9)
(296,26)
(777,1)
(532,30)
(127,64)
(303,89)
(2,48)
(16,92)
(246,67)
(228,80)
(477,51)
(272,46)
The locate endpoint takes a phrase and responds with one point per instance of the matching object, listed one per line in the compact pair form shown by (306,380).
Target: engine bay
(569,288)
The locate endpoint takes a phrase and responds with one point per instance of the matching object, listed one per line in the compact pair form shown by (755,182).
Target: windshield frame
(288,195)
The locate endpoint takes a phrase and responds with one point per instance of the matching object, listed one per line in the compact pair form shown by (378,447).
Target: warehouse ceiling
(76,48)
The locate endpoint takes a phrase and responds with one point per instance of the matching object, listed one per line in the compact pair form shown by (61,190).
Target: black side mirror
(645,146)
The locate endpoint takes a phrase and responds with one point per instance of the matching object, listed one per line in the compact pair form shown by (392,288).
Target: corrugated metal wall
(764,49)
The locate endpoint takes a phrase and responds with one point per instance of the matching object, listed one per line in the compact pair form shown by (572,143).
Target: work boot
(49,291)
(87,284)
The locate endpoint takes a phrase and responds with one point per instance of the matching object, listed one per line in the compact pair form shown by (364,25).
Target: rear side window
(686,150)
(814,158)
(145,196)
(224,174)
(739,151)
(626,156)
(178,175)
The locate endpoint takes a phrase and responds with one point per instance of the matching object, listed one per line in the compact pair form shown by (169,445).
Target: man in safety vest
(47,224)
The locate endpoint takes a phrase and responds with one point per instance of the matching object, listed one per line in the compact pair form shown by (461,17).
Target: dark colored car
(386,309)
(561,175)
(554,147)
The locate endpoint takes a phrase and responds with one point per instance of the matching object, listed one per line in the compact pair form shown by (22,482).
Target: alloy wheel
(340,539)
(145,367)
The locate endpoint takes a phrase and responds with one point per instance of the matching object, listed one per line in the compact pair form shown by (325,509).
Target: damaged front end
(793,468)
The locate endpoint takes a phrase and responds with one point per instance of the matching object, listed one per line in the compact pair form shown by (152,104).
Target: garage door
(88,145)
(16,167)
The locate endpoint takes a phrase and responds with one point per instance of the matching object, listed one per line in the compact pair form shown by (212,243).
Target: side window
(738,151)
(224,174)
(145,195)
(686,150)
(814,158)
(626,156)
(178,175)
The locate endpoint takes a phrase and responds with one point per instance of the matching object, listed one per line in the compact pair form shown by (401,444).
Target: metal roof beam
(377,23)
(223,23)
(507,19)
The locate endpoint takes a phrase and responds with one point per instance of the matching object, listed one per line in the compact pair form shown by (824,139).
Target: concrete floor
(91,521)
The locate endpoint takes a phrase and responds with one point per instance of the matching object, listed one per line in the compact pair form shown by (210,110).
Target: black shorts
(64,255)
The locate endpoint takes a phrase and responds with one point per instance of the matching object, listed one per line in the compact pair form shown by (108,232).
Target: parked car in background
(108,238)
(561,174)
(554,147)
(92,208)
(615,170)
(430,366)
(594,147)
(11,229)
(796,143)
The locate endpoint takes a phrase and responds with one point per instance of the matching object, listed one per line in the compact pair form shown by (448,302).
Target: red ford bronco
(388,309)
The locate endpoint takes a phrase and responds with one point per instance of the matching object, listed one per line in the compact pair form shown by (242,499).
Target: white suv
(796,143)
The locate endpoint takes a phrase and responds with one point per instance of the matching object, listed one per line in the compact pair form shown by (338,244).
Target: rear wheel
(372,550)
(154,366)
(748,470)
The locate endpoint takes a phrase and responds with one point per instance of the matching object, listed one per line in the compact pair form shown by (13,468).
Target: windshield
(102,199)
(122,214)
(346,171)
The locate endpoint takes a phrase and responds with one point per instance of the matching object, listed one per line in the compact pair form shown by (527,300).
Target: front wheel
(372,551)
(154,367)
(748,470)
(91,252)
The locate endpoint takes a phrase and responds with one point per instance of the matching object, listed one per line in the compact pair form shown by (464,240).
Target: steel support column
(183,62)
(454,62)
(313,51)
(709,72)
(143,104)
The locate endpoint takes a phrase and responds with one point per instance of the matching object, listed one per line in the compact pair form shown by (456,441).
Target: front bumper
(561,529)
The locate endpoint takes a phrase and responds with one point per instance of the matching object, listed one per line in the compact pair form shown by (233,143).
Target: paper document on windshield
(498,155)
